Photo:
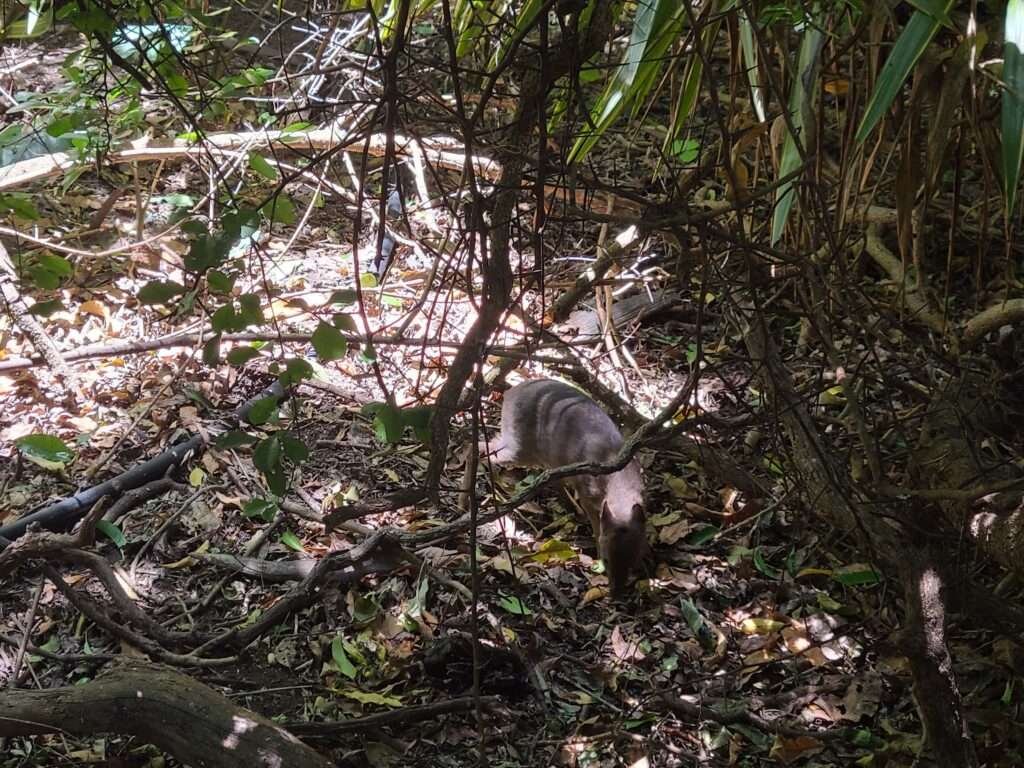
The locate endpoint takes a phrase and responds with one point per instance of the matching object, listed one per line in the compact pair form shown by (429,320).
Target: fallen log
(163,707)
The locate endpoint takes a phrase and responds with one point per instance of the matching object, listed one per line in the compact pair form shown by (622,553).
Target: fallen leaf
(789,750)
(623,649)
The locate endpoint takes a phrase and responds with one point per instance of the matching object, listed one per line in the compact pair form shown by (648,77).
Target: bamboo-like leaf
(750,60)
(691,85)
(908,49)
(801,108)
(656,25)
(524,19)
(1013,100)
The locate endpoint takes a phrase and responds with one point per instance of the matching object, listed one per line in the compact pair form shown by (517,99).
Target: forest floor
(783,644)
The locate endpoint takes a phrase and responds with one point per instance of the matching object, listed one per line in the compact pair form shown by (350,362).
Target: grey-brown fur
(549,424)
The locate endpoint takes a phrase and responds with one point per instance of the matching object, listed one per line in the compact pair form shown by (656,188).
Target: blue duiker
(549,424)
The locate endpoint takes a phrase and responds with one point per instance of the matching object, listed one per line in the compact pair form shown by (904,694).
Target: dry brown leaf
(788,750)
(625,649)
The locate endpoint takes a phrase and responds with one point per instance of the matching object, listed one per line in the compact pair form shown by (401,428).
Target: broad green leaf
(249,312)
(344,296)
(387,424)
(260,508)
(220,282)
(1013,101)
(160,291)
(48,451)
(211,350)
(224,319)
(296,370)
(242,355)
(46,308)
(259,164)
(236,438)
(291,541)
(280,210)
(344,321)
(418,418)
(294,449)
(911,43)
(19,205)
(262,410)
(329,343)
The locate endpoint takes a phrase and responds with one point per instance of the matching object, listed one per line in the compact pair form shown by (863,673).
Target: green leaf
(368,280)
(62,125)
(236,438)
(220,282)
(686,150)
(280,210)
(261,509)
(19,204)
(344,321)
(802,98)
(291,541)
(160,291)
(857,575)
(418,418)
(249,310)
(46,308)
(387,424)
(224,319)
(514,605)
(259,164)
(294,449)
(44,278)
(242,355)
(296,370)
(268,453)
(341,660)
(391,300)
(1013,101)
(749,49)
(211,351)
(702,535)
(911,43)
(329,343)
(656,26)
(56,264)
(268,457)
(47,451)
(344,296)
(762,565)
(262,410)
(112,532)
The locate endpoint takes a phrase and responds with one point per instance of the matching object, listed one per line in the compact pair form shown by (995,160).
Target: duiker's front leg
(493,450)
